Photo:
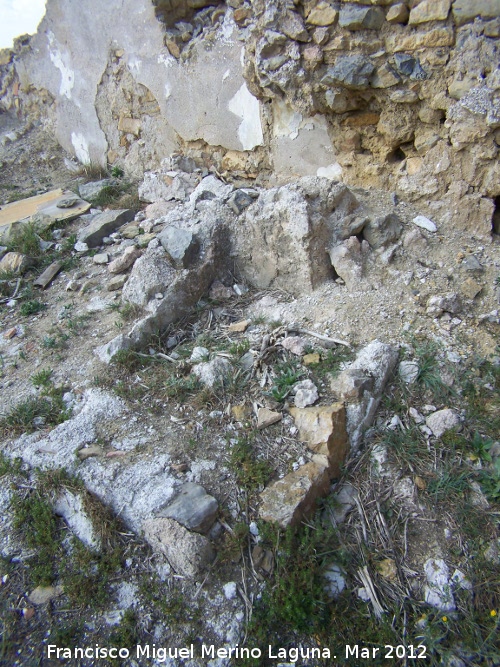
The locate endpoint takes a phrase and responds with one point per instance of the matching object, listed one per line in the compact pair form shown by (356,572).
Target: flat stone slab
(193,508)
(44,207)
(103,225)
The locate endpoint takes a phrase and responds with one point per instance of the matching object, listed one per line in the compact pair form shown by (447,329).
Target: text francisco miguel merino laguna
(162,654)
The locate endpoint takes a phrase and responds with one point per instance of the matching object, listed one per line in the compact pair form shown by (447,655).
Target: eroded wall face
(395,95)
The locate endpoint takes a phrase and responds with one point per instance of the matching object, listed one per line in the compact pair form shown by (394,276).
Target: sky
(18,17)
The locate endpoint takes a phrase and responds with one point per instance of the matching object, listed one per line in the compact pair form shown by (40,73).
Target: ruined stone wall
(396,95)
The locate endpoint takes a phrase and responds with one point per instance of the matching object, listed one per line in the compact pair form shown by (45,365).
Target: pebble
(424,223)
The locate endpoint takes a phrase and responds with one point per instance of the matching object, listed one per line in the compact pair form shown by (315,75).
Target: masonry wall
(393,95)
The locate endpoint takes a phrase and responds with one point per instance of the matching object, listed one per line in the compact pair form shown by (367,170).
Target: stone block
(354,17)
(430,10)
(323,429)
(434,38)
(397,13)
(289,500)
(103,225)
(188,553)
(193,508)
(465,11)
(350,71)
(322,15)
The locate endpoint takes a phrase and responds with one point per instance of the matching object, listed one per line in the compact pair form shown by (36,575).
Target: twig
(370,589)
(327,339)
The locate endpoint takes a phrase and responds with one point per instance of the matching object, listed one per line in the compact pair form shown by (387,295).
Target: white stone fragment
(425,223)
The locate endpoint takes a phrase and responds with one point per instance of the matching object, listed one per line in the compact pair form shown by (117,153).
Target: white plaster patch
(168,91)
(67,74)
(81,147)
(226,74)
(333,172)
(165,59)
(287,122)
(134,64)
(247,107)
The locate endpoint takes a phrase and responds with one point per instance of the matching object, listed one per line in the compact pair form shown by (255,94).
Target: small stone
(472,264)
(103,225)
(470,288)
(125,261)
(266,417)
(101,258)
(81,247)
(88,452)
(213,373)
(416,416)
(44,594)
(193,508)
(198,354)
(116,283)
(180,244)
(130,232)
(292,25)
(67,202)
(188,553)
(294,344)
(13,262)
(403,97)
(430,10)
(311,359)
(241,413)
(361,18)
(90,191)
(344,501)
(441,421)
(230,590)
(306,393)
(350,71)
(408,371)
(335,580)
(397,13)
(438,589)
(219,292)
(424,223)
(239,327)
(73,286)
(322,15)
(388,569)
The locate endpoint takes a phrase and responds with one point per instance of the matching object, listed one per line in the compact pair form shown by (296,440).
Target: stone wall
(396,95)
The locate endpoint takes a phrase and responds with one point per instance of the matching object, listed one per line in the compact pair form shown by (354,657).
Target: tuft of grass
(93,171)
(47,409)
(31,308)
(26,240)
(251,473)
(288,373)
(42,378)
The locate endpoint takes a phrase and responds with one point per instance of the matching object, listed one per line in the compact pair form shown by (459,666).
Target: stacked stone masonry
(396,95)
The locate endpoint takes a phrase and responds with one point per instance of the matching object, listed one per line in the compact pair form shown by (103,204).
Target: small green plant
(117,172)
(47,409)
(92,171)
(42,378)
(288,374)
(251,473)
(31,308)
(26,240)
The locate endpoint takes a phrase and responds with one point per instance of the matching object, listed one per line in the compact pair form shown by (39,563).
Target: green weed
(287,374)
(31,308)
(251,473)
